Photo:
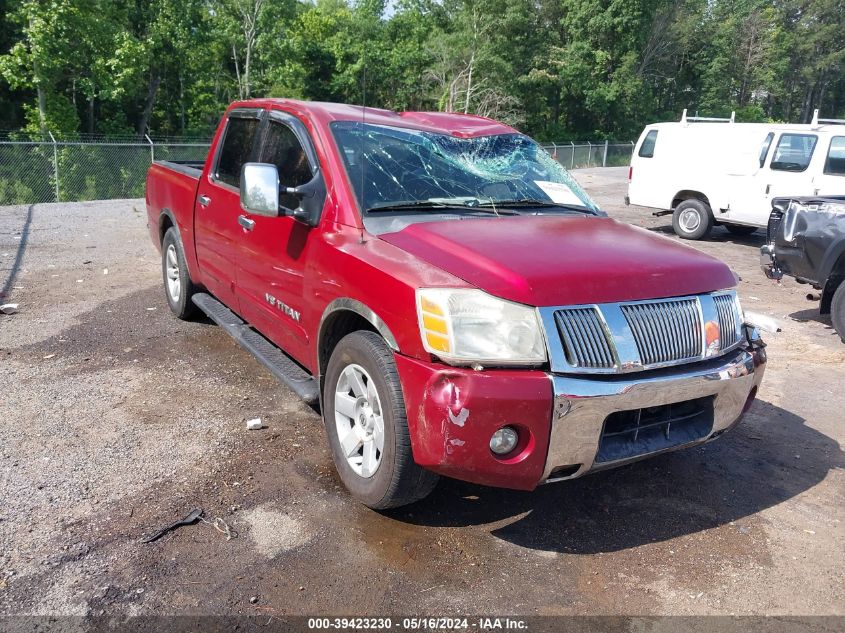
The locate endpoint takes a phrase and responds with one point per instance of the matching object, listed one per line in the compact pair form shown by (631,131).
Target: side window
(647,148)
(283,149)
(237,146)
(793,152)
(764,149)
(835,163)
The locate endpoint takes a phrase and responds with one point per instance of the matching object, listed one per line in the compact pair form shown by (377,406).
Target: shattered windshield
(413,169)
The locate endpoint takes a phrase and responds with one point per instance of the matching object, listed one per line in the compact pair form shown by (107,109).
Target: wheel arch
(689,194)
(343,316)
(832,271)
(166,220)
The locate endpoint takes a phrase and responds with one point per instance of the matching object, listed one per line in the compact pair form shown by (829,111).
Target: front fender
(348,304)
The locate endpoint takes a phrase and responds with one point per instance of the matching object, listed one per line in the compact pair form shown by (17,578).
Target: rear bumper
(452,412)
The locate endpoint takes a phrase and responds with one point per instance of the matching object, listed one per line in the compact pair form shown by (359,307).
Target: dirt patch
(118,419)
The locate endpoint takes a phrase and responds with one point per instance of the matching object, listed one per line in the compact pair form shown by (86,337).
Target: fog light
(504,440)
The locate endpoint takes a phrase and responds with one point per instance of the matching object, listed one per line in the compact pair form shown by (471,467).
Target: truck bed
(171,193)
(192,168)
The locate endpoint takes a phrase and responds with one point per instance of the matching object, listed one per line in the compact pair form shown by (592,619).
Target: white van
(715,171)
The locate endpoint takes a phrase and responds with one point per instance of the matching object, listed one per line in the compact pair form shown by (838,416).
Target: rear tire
(740,230)
(363,408)
(178,287)
(837,311)
(692,219)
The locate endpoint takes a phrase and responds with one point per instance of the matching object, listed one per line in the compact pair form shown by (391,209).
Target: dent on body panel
(814,227)
(444,399)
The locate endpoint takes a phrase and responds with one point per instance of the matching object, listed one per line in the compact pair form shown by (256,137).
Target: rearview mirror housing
(260,189)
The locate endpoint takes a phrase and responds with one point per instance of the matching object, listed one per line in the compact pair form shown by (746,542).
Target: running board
(657,214)
(280,364)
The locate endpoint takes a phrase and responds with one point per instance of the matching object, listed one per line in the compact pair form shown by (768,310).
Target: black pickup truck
(806,240)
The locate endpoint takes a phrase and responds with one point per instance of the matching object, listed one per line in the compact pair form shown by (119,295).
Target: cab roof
(452,123)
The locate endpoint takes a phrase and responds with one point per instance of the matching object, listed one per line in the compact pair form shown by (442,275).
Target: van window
(647,148)
(283,149)
(793,152)
(764,150)
(835,163)
(237,147)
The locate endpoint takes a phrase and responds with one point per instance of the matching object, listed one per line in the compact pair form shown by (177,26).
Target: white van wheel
(692,219)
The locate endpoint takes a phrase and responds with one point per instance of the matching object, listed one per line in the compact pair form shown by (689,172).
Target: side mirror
(310,197)
(260,189)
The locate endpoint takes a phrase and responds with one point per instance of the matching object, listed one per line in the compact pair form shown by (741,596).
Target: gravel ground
(117,419)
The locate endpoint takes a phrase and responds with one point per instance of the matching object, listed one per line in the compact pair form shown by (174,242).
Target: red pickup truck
(448,294)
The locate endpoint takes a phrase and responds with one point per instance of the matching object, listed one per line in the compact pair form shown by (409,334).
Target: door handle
(246,222)
(204,201)
(768,188)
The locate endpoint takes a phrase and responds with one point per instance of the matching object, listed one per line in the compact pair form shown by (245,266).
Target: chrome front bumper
(582,404)
(768,262)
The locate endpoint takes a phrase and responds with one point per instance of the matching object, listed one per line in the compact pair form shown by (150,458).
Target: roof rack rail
(817,121)
(707,119)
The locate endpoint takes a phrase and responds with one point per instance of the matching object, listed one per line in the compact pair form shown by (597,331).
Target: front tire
(692,219)
(740,230)
(178,287)
(837,311)
(364,415)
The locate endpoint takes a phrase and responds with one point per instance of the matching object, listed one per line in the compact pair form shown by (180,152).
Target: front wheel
(364,415)
(692,220)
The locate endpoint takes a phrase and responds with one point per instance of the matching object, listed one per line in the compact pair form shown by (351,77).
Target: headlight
(463,326)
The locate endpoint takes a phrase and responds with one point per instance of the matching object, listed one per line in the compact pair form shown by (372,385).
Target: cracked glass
(393,167)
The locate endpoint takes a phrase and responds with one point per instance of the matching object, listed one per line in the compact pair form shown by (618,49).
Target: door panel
(831,180)
(647,178)
(273,261)
(217,232)
(786,172)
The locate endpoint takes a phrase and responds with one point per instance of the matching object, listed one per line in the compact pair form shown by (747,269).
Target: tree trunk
(237,72)
(90,125)
(42,96)
(469,83)
(247,59)
(42,109)
(181,103)
(155,80)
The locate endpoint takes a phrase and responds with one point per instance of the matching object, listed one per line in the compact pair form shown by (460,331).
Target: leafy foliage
(558,69)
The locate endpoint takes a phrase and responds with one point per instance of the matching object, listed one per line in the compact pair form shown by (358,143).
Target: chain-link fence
(586,154)
(84,168)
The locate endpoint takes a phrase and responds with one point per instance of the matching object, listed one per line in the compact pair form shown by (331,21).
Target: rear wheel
(837,311)
(364,415)
(692,219)
(740,230)
(178,287)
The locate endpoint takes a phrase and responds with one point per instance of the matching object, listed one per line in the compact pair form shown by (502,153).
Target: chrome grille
(584,339)
(615,338)
(728,320)
(665,331)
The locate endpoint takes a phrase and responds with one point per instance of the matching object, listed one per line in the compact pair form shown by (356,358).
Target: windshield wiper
(423,205)
(535,203)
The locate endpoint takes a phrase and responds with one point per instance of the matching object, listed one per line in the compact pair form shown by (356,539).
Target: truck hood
(554,260)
